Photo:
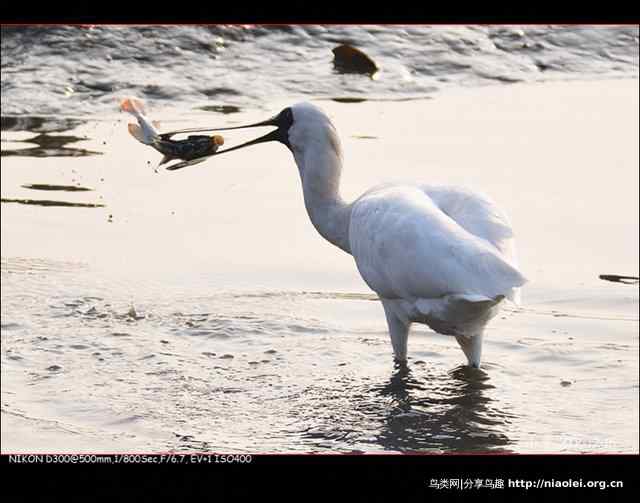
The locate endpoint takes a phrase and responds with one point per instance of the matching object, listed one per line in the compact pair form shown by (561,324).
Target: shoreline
(167,115)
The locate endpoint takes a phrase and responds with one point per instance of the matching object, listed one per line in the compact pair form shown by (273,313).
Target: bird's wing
(477,214)
(480,216)
(406,246)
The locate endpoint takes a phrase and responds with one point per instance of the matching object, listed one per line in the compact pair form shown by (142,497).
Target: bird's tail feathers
(473,303)
(459,310)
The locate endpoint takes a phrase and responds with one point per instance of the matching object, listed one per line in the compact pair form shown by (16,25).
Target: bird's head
(312,129)
(299,127)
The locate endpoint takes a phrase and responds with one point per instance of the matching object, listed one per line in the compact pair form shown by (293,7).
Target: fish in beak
(192,150)
(282,122)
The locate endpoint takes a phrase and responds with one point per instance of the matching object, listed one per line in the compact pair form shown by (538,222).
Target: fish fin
(132,105)
(125,105)
(165,159)
(139,104)
(136,132)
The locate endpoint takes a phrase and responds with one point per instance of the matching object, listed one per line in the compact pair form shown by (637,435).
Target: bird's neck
(328,212)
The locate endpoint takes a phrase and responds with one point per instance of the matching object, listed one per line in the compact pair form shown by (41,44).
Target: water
(147,311)
(81,71)
(282,371)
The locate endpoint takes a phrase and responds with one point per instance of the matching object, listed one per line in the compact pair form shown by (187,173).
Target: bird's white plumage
(479,215)
(405,246)
(439,255)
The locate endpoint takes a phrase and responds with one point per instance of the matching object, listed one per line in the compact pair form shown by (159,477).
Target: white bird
(439,255)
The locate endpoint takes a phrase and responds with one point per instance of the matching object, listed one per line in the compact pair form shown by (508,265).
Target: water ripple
(82,70)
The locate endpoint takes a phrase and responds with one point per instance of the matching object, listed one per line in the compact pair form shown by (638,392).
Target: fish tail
(132,105)
(144,132)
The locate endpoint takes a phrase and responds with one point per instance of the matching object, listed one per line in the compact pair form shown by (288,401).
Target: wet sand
(561,374)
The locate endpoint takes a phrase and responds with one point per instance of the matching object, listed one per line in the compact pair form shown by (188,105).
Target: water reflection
(451,412)
(45,144)
(52,187)
(36,124)
(50,146)
(48,202)
(223,109)
(412,411)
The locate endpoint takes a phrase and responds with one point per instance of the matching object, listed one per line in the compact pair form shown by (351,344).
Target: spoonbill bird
(439,255)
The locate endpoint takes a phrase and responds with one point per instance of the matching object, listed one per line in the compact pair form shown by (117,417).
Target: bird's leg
(399,332)
(472,347)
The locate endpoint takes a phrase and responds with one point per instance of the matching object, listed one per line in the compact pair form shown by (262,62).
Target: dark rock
(348,59)
(349,100)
